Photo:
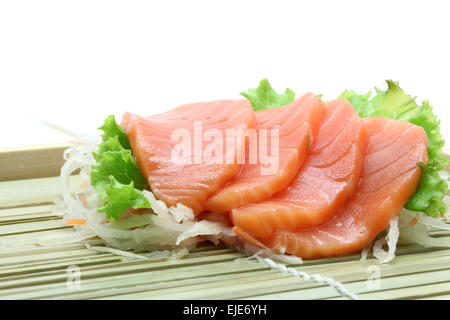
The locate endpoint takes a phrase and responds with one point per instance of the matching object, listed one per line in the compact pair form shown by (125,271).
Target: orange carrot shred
(80,143)
(83,200)
(413,222)
(75,222)
(243,234)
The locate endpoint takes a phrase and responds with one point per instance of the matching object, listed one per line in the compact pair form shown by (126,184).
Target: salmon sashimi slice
(327,179)
(297,124)
(389,177)
(177,175)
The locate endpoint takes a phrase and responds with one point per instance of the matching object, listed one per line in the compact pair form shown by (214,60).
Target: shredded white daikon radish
(391,240)
(415,227)
(61,238)
(253,250)
(182,213)
(179,254)
(200,228)
(365,251)
(158,254)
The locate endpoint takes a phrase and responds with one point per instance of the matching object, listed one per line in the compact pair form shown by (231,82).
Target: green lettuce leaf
(110,144)
(119,197)
(430,191)
(115,175)
(265,96)
(112,129)
(394,103)
(120,164)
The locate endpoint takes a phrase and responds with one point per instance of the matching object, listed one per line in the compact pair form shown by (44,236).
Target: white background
(73,63)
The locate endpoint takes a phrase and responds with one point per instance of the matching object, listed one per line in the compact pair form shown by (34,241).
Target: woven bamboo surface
(31,271)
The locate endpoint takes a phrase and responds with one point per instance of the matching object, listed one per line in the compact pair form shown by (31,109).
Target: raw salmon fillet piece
(297,124)
(327,179)
(190,178)
(389,177)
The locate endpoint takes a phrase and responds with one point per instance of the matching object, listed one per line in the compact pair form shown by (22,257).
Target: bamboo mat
(31,271)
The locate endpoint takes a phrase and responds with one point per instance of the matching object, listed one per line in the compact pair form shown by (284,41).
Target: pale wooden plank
(437,297)
(202,249)
(390,282)
(27,214)
(35,267)
(446,153)
(92,288)
(120,268)
(35,161)
(49,267)
(415,292)
(12,212)
(38,249)
(177,283)
(32,191)
(39,266)
(409,281)
(26,240)
(277,282)
(277,275)
(50,256)
(27,227)
(28,218)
